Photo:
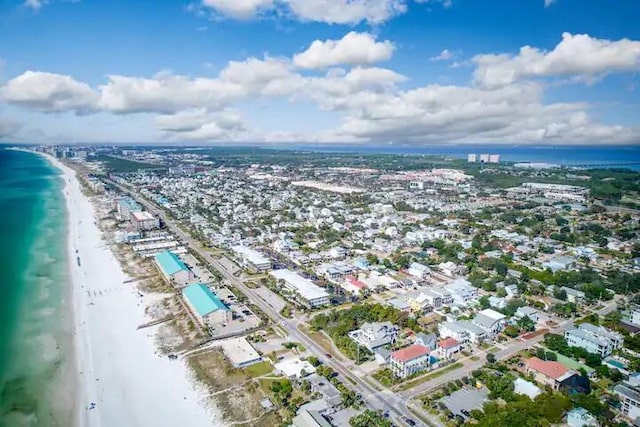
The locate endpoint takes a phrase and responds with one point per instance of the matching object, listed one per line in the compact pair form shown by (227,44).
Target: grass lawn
(323,341)
(265,384)
(258,369)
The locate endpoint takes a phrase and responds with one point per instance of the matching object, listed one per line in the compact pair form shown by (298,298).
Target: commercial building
(173,269)
(205,305)
(240,352)
(409,360)
(144,221)
(126,205)
(305,291)
(251,258)
(295,368)
(594,339)
(375,335)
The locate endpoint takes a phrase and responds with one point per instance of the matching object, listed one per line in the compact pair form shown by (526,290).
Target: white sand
(117,364)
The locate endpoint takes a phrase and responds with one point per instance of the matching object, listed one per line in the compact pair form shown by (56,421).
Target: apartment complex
(307,293)
(594,339)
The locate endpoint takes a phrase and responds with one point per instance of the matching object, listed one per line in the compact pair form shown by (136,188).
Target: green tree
(491,358)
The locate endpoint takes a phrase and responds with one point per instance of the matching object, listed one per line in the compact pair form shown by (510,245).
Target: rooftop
(548,368)
(448,343)
(410,353)
(251,255)
(170,263)
(305,287)
(202,299)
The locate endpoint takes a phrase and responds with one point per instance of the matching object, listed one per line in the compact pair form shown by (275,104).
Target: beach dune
(122,380)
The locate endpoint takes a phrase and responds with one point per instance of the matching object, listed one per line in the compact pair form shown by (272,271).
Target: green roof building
(205,305)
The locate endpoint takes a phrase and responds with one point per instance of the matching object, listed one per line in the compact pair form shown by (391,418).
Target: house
(453,330)
(375,335)
(240,352)
(400,303)
(353,285)
(410,360)
(490,320)
(323,386)
(418,270)
(310,414)
(629,394)
(448,347)
(450,268)
(205,305)
(574,295)
(635,315)
(419,301)
(580,417)
(556,375)
(382,356)
(462,291)
(532,313)
(173,269)
(497,302)
(294,368)
(594,339)
(428,340)
(560,263)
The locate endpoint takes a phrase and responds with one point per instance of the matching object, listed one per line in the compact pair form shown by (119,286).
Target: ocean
(564,155)
(36,351)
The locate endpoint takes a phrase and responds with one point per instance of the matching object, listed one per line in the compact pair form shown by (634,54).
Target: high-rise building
(484,158)
(494,158)
(472,158)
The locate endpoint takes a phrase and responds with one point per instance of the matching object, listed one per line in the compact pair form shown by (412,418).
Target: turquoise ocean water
(36,388)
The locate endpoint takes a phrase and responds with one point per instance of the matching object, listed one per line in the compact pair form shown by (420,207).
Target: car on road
(328,355)
(409,421)
(465,413)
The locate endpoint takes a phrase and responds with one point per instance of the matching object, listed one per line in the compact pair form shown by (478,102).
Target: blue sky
(407,71)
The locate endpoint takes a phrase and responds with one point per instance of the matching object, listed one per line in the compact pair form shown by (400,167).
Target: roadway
(384,401)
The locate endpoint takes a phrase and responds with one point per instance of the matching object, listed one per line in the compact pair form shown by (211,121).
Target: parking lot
(464,400)
(243,317)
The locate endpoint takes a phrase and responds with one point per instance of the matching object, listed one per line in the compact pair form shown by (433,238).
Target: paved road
(385,400)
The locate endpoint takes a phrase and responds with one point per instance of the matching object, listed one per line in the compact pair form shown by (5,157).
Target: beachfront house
(173,269)
(205,305)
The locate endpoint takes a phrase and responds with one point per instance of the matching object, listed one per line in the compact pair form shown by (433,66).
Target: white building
(251,258)
(144,221)
(375,335)
(410,360)
(594,339)
(307,293)
(472,158)
(490,320)
(418,270)
(240,352)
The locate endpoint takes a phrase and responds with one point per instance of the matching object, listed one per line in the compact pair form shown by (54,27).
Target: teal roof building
(202,300)
(170,263)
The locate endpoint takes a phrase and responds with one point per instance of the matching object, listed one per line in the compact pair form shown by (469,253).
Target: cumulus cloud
(445,55)
(49,92)
(352,49)
(328,11)
(548,3)
(238,9)
(372,103)
(34,4)
(578,56)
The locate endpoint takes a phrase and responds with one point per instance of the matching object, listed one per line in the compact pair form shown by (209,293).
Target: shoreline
(120,376)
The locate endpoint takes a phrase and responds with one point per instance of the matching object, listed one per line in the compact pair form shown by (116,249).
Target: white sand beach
(117,365)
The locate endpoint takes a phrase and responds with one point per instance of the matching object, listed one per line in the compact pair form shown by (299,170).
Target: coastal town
(336,290)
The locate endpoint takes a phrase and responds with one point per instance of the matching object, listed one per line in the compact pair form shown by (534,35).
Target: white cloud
(352,49)
(578,56)
(445,55)
(8,129)
(35,4)
(328,11)
(346,11)
(548,3)
(238,9)
(371,103)
(49,92)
